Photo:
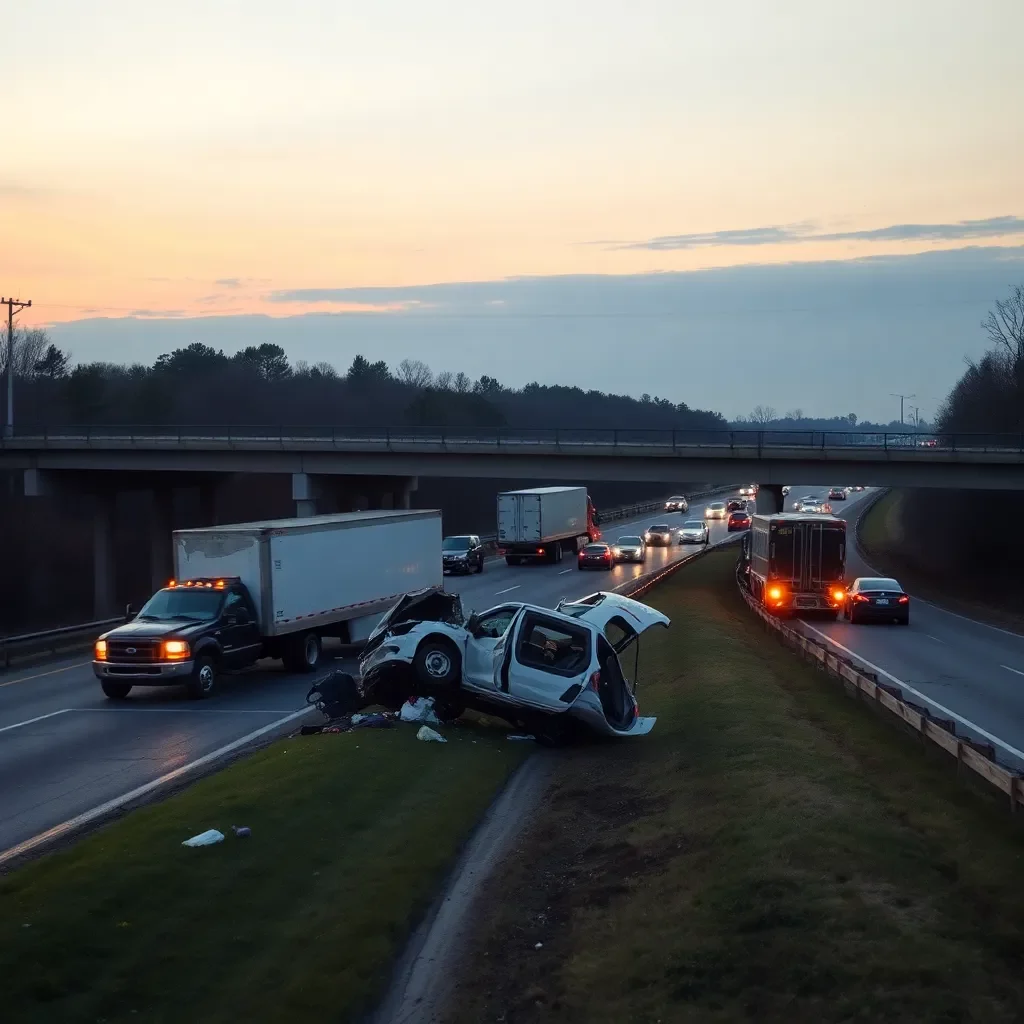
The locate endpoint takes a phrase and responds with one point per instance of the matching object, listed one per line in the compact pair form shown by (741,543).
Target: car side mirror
(472,624)
(129,613)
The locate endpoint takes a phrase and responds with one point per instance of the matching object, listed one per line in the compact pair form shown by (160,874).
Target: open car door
(630,618)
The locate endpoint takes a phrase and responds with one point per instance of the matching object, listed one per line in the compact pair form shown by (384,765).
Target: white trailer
(541,522)
(334,574)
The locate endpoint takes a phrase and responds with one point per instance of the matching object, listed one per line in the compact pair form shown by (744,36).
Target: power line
(13,306)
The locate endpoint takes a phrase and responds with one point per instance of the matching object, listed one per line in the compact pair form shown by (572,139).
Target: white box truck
(541,523)
(270,589)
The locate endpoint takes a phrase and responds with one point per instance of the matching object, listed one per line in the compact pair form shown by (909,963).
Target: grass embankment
(771,852)
(880,536)
(351,836)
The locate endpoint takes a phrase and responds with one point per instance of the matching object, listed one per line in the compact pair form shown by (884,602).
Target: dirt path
(423,977)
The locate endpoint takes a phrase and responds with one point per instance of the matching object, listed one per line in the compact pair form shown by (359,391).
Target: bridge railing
(626,438)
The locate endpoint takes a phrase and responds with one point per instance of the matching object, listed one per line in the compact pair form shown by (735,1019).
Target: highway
(65,749)
(958,667)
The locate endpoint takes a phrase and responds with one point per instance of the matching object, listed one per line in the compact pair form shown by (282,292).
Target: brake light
(595,682)
(100,650)
(175,650)
(904,599)
(540,551)
(172,583)
(607,555)
(859,597)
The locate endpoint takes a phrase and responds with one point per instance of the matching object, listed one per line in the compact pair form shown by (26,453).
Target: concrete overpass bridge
(350,468)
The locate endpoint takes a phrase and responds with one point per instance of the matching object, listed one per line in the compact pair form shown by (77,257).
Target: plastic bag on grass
(207,838)
(429,735)
(419,709)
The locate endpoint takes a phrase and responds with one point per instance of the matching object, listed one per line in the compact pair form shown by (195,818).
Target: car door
(478,658)
(541,656)
(239,633)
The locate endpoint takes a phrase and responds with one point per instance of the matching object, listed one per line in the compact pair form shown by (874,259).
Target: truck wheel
(115,691)
(307,652)
(438,663)
(204,678)
(512,560)
(556,552)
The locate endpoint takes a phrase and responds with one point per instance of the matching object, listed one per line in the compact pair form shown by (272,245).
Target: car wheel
(115,691)
(853,617)
(438,663)
(204,678)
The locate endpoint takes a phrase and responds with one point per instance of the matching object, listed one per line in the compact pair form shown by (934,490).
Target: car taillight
(595,682)
(859,597)
(904,599)
(607,554)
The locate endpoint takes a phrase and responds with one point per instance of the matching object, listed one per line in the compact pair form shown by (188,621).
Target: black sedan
(738,521)
(462,554)
(876,599)
(736,505)
(659,536)
(596,556)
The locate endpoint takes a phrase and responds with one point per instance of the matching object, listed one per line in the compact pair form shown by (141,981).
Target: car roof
(879,582)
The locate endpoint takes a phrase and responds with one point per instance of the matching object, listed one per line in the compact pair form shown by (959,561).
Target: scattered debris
(241,830)
(335,696)
(524,738)
(378,721)
(429,735)
(311,730)
(539,945)
(207,838)
(419,709)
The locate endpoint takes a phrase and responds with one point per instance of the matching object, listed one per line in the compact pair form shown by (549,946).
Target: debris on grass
(428,735)
(207,838)
(419,709)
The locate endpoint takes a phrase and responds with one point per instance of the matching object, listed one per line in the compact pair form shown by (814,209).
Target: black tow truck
(187,632)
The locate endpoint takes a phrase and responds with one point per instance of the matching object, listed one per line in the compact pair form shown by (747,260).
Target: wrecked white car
(552,672)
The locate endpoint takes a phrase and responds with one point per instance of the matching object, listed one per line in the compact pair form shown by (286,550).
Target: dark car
(837,494)
(736,505)
(738,521)
(659,536)
(596,556)
(464,553)
(877,599)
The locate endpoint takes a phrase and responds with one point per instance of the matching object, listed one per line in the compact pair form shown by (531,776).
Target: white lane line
(1010,668)
(50,672)
(564,571)
(507,590)
(38,718)
(896,681)
(119,801)
(186,711)
(935,638)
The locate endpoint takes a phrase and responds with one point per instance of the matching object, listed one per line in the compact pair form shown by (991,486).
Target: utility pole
(902,398)
(13,306)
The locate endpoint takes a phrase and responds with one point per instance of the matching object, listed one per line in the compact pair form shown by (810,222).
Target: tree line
(198,384)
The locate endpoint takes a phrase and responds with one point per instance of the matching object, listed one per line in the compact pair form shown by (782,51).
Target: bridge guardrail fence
(979,758)
(49,640)
(159,435)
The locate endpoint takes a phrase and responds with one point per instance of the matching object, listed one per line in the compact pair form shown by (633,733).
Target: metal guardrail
(50,639)
(233,435)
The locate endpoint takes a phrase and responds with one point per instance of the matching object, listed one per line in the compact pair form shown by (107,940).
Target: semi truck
(794,563)
(271,589)
(541,524)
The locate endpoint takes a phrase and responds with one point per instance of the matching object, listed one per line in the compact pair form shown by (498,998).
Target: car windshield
(879,584)
(197,605)
(693,524)
(455,544)
(628,542)
(677,497)
(717,505)
(660,528)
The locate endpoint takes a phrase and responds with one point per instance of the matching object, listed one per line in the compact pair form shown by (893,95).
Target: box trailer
(540,523)
(270,589)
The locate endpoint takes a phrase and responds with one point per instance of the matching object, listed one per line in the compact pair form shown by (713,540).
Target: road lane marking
(507,590)
(40,675)
(1011,669)
(896,681)
(187,711)
(564,571)
(38,718)
(119,801)
(935,638)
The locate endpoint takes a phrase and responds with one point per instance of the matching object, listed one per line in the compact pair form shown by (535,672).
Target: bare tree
(324,370)
(415,373)
(794,414)
(763,415)
(462,385)
(1005,324)
(30,345)
(443,381)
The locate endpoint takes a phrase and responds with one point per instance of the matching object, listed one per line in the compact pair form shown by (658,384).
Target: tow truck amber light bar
(209,583)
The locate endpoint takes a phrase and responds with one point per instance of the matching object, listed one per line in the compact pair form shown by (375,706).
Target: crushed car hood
(433,604)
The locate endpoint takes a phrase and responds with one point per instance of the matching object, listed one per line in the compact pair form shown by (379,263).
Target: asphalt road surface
(958,667)
(65,749)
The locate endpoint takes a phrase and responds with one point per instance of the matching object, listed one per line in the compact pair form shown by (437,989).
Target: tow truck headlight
(175,650)
(100,650)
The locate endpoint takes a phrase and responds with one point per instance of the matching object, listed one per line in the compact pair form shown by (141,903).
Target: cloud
(788,234)
(157,314)
(229,282)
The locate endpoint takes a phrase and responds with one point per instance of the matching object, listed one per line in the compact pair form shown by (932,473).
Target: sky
(176,170)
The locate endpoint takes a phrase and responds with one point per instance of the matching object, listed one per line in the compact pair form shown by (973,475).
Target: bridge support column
(403,496)
(307,492)
(161,561)
(769,499)
(103,555)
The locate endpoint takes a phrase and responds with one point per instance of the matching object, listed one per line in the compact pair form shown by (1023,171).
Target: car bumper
(461,565)
(898,611)
(632,556)
(157,673)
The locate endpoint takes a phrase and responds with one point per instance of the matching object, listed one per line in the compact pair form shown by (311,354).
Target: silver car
(629,549)
(695,531)
(716,510)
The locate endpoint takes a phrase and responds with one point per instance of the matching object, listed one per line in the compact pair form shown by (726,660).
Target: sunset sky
(210,157)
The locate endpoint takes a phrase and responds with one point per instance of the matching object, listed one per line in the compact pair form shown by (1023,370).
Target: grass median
(351,836)
(772,852)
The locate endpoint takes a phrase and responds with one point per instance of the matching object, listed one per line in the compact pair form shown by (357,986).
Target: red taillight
(595,682)
(540,551)
(859,597)
(904,599)
(607,555)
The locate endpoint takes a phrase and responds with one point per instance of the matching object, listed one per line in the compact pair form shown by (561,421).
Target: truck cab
(187,632)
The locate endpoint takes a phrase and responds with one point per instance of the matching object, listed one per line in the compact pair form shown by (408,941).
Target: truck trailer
(795,563)
(542,523)
(271,589)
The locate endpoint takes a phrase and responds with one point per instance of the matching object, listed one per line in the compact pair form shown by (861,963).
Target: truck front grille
(133,651)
